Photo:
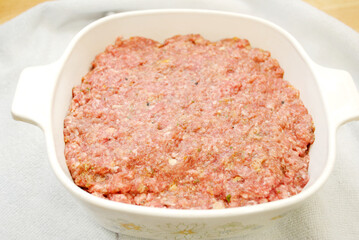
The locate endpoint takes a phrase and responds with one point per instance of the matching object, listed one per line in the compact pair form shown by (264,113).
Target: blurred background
(346,11)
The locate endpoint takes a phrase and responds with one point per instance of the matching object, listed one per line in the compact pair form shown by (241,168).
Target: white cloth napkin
(34,205)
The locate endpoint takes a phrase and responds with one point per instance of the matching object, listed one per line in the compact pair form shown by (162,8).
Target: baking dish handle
(32,97)
(340,94)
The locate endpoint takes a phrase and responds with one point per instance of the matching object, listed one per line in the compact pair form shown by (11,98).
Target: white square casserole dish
(43,96)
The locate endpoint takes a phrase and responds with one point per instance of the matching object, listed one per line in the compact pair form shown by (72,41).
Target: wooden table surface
(346,11)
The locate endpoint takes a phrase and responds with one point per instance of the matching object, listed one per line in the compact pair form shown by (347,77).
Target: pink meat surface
(187,124)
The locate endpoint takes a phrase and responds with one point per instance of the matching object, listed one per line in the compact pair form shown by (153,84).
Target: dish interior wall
(211,26)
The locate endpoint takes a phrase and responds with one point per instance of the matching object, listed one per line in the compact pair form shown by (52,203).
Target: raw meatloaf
(187,124)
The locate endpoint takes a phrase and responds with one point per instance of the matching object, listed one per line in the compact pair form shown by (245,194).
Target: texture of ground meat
(189,124)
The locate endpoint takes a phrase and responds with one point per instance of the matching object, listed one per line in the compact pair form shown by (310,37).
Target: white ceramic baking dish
(44,92)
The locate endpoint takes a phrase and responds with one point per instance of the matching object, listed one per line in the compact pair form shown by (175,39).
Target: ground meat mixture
(187,124)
